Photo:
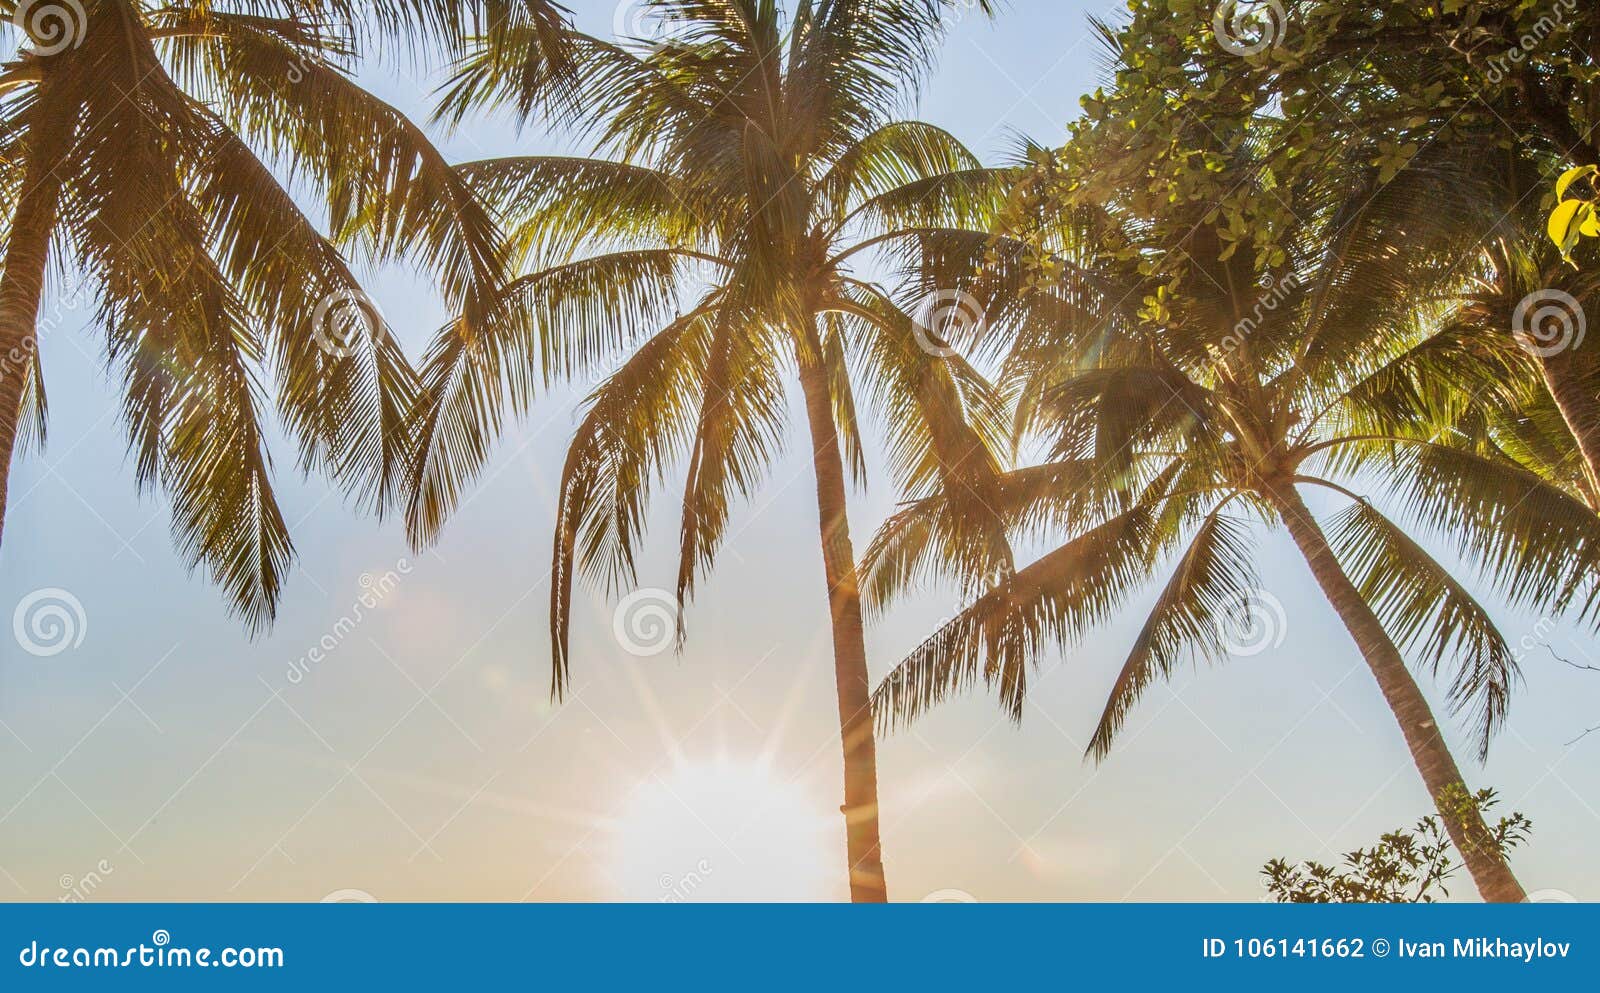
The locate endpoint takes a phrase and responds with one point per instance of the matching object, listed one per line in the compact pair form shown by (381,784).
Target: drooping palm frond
(1214,577)
(1423,607)
(933,539)
(638,421)
(892,157)
(549,324)
(384,181)
(551,205)
(178,332)
(344,397)
(738,433)
(1052,601)
(1535,544)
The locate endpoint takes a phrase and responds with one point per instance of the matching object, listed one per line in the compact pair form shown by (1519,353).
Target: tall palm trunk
(1467,830)
(21,287)
(1564,377)
(849,638)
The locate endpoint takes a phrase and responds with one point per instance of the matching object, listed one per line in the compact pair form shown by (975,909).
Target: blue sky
(417,756)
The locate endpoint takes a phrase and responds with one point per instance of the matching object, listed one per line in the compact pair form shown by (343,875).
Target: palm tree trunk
(1467,830)
(21,287)
(849,640)
(1580,408)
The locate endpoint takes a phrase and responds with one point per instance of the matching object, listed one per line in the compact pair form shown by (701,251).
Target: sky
(392,738)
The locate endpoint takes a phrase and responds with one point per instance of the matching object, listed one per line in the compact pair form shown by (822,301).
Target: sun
(721,830)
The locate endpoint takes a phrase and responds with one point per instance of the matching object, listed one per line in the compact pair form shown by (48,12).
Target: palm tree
(746,166)
(124,128)
(1175,419)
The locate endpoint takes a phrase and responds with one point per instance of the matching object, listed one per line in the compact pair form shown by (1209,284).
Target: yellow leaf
(1564,222)
(1572,176)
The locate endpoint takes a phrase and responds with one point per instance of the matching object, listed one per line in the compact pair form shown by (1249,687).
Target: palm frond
(1054,600)
(1213,577)
(1424,608)
(638,421)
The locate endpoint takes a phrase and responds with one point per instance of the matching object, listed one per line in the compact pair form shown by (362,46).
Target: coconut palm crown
(750,163)
(135,142)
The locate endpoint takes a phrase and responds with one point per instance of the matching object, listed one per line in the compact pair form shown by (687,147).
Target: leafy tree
(129,143)
(746,166)
(1403,867)
(1189,381)
(1387,82)
(1394,79)
(1453,71)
